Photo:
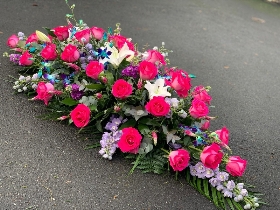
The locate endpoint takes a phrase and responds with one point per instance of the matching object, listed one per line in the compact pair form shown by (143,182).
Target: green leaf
(206,188)
(237,205)
(95,86)
(136,162)
(187,141)
(50,32)
(99,126)
(69,102)
(214,196)
(93,108)
(230,203)
(110,78)
(129,123)
(198,184)
(144,129)
(148,121)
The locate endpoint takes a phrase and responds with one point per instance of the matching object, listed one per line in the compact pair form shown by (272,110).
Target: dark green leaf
(144,129)
(187,141)
(129,123)
(148,121)
(50,32)
(99,126)
(214,196)
(110,78)
(206,188)
(95,86)
(69,102)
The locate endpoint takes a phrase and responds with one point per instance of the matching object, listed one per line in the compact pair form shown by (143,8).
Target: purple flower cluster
(15,58)
(131,71)
(76,94)
(109,141)
(219,180)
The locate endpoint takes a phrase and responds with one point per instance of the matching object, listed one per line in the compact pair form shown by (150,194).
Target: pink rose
(180,82)
(12,41)
(179,159)
(97,33)
(121,89)
(236,166)
(26,59)
(93,69)
(70,53)
(49,52)
(120,40)
(155,57)
(32,38)
(61,32)
(211,156)
(148,70)
(223,135)
(205,125)
(130,140)
(44,92)
(198,109)
(83,36)
(80,115)
(199,92)
(157,106)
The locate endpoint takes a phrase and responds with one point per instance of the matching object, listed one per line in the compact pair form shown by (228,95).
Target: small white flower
(19,90)
(157,89)
(24,88)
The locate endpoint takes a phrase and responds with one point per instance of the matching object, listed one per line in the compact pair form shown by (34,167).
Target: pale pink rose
(223,135)
(205,125)
(97,33)
(156,57)
(44,92)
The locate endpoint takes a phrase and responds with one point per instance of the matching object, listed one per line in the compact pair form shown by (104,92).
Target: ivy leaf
(69,102)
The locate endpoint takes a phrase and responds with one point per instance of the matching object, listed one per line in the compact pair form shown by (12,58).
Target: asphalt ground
(230,45)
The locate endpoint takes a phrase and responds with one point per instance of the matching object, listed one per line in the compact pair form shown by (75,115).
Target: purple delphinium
(199,167)
(209,172)
(222,176)
(193,170)
(227,193)
(230,185)
(15,58)
(76,94)
(214,182)
(130,71)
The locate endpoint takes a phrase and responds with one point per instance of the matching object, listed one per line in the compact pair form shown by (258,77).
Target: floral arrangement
(99,81)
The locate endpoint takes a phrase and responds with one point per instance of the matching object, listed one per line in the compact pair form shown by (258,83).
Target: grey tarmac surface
(225,43)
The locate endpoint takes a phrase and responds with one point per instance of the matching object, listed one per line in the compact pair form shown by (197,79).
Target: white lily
(117,56)
(157,89)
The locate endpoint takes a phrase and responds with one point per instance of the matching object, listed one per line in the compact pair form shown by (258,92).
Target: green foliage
(153,162)
(210,192)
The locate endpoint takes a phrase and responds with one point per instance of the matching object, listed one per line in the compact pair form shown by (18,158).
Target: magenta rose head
(93,69)
(179,159)
(97,33)
(32,38)
(155,57)
(119,41)
(13,41)
(148,70)
(157,106)
(200,93)
(44,92)
(61,32)
(223,135)
(180,82)
(211,156)
(130,140)
(121,89)
(236,166)
(49,52)
(80,115)
(26,59)
(70,53)
(83,36)
(198,109)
